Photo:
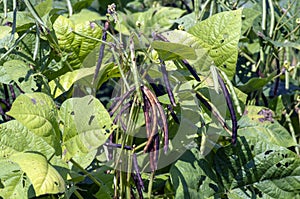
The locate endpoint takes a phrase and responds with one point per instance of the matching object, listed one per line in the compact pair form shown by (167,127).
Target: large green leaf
(193,177)
(12,181)
(86,125)
(203,61)
(76,46)
(19,72)
(5,37)
(274,172)
(38,113)
(44,178)
(169,51)
(15,138)
(256,126)
(220,35)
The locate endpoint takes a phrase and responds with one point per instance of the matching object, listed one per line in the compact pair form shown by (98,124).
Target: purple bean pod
(101,52)
(231,109)
(167,82)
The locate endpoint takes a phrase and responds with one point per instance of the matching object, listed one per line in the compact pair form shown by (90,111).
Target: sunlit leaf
(44,178)
(220,35)
(86,126)
(169,51)
(76,46)
(15,138)
(12,181)
(38,113)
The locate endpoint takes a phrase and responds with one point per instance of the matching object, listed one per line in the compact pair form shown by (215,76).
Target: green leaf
(80,4)
(187,21)
(86,15)
(15,138)
(203,61)
(24,20)
(65,82)
(19,72)
(44,178)
(256,83)
(169,51)
(76,46)
(38,113)
(12,181)
(5,37)
(86,125)
(219,35)
(254,128)
(157,19)
(193,177)
(43,8)
(248,16)
(274,172)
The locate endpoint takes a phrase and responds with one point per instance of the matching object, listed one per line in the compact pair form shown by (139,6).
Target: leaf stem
(99,184)
(290,125)
(151,184)
(134,69)
(69,4)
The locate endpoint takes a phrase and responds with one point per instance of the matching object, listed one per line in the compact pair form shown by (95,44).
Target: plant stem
(78,195)
(69,4)
(288,120)
(134,69)
(264,15)
(86,173)
(272,21)
(17,42)
(13,30)
(151,184)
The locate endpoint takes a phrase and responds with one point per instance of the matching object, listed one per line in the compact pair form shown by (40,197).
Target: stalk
(151,183)
(37,44)
(134,69)
(264,15)
(290,125)
(69,7)
(85,172)
(272,21)
(13,30)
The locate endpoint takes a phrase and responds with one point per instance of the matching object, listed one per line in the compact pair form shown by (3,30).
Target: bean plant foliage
(149,99)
